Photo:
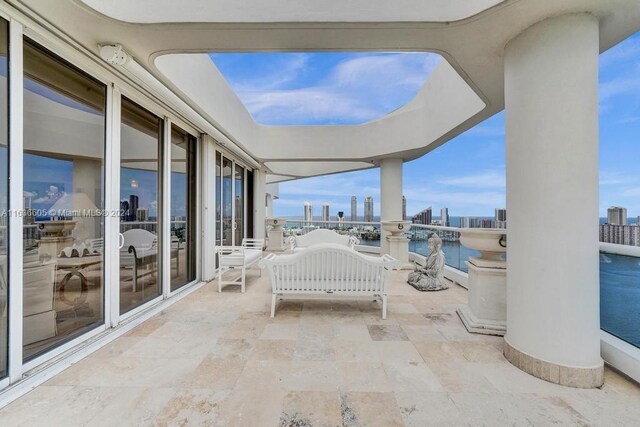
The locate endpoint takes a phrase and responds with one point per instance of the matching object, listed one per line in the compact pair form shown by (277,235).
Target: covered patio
(218,359)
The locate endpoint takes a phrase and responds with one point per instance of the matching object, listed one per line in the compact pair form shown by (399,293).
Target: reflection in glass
(227,203)
(218,202)
(182,208)
(4,198)
(140,141)
(239,201)
(64,144)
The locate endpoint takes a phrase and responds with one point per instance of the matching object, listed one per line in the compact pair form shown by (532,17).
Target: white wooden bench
(329,269)
(320,236)
(238,257)
(139,249)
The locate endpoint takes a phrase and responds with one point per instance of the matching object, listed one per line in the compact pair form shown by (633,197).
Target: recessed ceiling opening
(320,88)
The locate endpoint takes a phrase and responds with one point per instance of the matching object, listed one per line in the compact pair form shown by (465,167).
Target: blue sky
(467,174)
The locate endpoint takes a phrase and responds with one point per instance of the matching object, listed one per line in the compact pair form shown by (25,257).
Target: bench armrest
(264,261)
(292,242)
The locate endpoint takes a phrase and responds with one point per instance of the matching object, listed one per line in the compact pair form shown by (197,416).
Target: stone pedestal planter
(486,312)
(275,234)
(398,244)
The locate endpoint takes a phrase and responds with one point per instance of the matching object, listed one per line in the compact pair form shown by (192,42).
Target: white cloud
(631,192)
(627,49)
(303,105)
(488,179)
(619,86)
(615,178)
(355,90)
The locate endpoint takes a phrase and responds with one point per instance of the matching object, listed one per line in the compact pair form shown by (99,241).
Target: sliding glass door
(231,188)
(183,207)
(63,163)
(227,202)
(4,197)
(238,195)
(140,142)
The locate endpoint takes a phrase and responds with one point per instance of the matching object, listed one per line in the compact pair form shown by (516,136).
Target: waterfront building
(354,209)
(620,234)
(444,217)
(465,222)
(325,212)
(617,215)
(368,209)
(500,218)
(486,223)
(423,217)
(404,207)
(308,211)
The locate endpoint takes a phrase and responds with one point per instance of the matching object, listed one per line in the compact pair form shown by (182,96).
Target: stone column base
(480,326)
(554,373)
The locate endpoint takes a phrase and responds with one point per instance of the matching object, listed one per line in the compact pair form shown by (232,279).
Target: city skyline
(467,174)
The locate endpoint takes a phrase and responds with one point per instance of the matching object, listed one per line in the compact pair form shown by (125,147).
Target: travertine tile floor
(217,359)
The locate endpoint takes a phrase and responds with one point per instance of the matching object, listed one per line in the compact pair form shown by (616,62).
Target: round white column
(390,196)
(551,101)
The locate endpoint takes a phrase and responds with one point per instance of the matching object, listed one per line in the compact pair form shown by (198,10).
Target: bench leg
(220,280)
(384,307)
(274,299)
(243,278)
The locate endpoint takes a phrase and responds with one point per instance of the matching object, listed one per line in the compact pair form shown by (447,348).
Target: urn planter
(486,312)
(397,243)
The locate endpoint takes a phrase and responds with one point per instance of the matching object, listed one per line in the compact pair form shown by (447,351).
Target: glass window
(140,142)
(182,208)
(4,196)
(64,145)
(227,202)
(239,205)
(218,199)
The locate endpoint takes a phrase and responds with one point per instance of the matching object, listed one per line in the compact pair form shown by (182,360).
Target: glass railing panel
(620,296)
(455,253)
(367,232)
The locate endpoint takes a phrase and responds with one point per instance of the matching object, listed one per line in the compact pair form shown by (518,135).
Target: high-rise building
(444,217)
(368,209)
(124,210)
(308,211)
(620,234)
(325,212)
(404,208)
(617,215)
(142,214)
(501,218)
(423,217)
(133,207)
(465,222)
(354,208)
(486,223)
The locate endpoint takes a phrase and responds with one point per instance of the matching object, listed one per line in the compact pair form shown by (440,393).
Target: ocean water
(620,296)
(619,287)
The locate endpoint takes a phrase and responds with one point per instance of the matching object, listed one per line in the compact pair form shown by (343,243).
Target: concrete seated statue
(430,276)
